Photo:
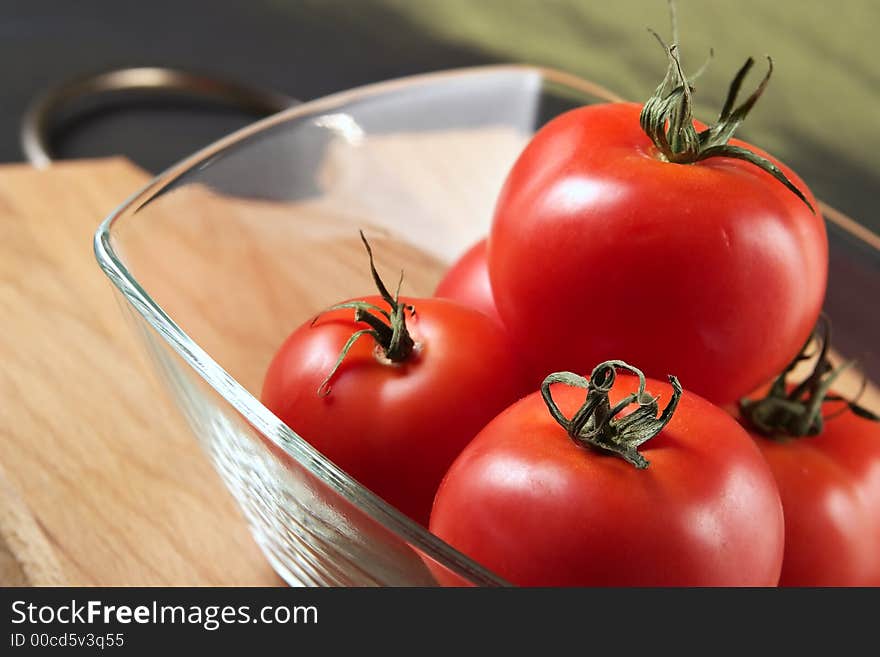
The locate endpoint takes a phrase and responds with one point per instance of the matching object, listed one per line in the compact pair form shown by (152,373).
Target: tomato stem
(387,327)
(793,413)
(596,423)
(667,118)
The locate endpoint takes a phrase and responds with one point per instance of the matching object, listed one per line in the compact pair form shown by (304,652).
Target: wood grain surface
(101,482)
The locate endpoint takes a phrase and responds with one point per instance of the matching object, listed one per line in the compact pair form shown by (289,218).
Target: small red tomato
(467,281)
(393,394)
(542,498)
(828,473)
(702,255)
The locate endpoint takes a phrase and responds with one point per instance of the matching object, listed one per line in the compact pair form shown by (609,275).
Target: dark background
(819,113)
(304,49)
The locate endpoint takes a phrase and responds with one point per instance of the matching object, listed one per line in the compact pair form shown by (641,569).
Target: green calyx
(784,414)
(386,327)
(596,423)
(667,118)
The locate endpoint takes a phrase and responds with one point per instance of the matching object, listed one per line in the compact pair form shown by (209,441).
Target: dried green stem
(387,327)
(667,118)
(797,412)
(596,424)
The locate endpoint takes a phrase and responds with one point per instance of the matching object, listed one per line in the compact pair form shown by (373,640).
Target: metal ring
(37,121)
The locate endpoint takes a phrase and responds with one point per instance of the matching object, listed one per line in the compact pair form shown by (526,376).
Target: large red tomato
(394,420)
(542,498)
(467,281)
(608,242)
(828,473)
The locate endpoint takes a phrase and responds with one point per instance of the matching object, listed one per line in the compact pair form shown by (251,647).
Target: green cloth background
(819,113)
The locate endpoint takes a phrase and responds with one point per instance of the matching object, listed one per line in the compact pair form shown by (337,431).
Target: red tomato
(467,281)
(830,488)
(394,426)
(602,247)
(540,509)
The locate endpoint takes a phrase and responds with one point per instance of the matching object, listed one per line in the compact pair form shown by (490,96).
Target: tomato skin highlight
(530,504)
(395,428)
(599,249)
(467,281)
(830,489)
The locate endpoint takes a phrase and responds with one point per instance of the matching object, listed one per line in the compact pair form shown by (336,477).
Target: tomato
(830,488)
(604,244)
(540,508)
(395,425)
(467,281)
(828,473)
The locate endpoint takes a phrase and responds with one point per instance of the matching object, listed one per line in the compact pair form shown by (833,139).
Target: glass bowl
(221,256)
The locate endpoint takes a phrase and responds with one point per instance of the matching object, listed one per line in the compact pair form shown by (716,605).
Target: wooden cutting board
(101,482)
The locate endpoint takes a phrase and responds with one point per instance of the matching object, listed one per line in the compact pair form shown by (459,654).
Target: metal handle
(37,121)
